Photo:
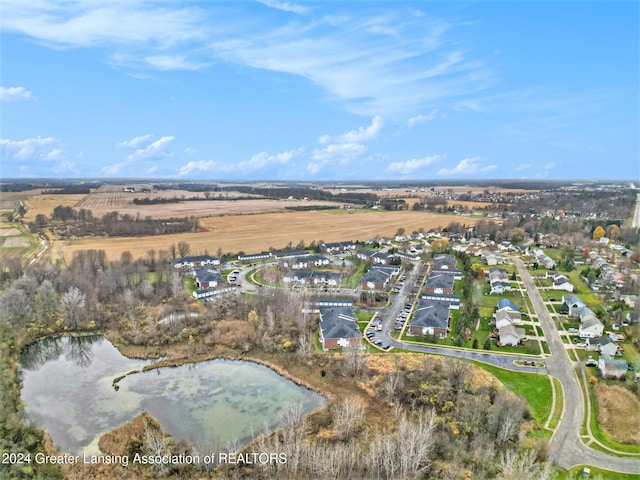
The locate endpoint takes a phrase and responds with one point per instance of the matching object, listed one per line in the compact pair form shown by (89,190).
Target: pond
(67,388)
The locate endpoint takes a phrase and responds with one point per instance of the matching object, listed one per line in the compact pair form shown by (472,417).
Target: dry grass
(255,233)
(44,204)
(618,413)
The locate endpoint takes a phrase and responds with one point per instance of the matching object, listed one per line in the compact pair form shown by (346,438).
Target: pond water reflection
(67,389)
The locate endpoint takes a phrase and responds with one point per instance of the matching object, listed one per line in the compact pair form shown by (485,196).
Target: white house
(591,328)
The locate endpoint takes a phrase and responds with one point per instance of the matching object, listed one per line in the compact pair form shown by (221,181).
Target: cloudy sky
(274,89)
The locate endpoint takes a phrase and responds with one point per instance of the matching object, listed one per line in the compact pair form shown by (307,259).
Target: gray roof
(339,322)
(431,313)
(208,274)
(439,280)
(572,300)
(444,259)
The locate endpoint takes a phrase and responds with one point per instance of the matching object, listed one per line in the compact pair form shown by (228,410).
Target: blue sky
(277,89)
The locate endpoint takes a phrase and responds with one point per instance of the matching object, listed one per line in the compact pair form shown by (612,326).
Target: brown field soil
(44,204)
(15,242)
(256,233)
(192,208)
(618,413)
(10,232)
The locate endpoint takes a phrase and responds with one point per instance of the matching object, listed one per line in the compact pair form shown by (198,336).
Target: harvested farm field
(255,233)
(195,208)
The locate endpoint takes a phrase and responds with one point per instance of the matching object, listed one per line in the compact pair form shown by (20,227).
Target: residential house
(444,261)
(289,253)
(378,277)
(254,257)
(412,257)
(591,327)
(544,260)
(339,328)
(610,368)
(211,293)
(506,303)
(574,304)
(603,344)
(195,261)
(380,258)
(306,261)
(561,282)
(441,282)
(452,300)
(510,335)
(491,258)
(499,281)
(506,316)
(430,318)
(338,247)
(208,277)
(312,277)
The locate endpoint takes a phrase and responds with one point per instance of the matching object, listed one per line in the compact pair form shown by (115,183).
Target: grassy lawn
(190,283)
(353,280)
(535,387)
(575,473)
(557,413)
(364,316)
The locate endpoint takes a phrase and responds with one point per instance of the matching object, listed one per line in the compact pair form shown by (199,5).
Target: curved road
(566,449)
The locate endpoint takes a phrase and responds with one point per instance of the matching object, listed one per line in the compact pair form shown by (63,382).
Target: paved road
(566,448)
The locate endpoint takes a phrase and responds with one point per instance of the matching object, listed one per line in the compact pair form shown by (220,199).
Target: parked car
(591,363)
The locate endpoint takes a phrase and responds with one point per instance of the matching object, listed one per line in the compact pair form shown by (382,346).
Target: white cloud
(259,161)
(362,134)
(550,166)
(468,166)
(115,169)
(190,150)
(135,142)
(81,23)
(13,94)
(375,64)
(412,165)
(285,6)
(263,159)
(336,154)
(37,148)
(413,121)
(54,154)
(173,62)
(202,165)
(158,149)
(524,166)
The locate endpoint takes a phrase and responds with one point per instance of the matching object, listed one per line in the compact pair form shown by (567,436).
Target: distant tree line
(310,193)
(68,222)
(71,189)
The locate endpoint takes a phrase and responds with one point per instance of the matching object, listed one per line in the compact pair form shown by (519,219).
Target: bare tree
(305,345)
(523,466)
(155,443)
(354,361)
(348,416)
(183,249)
(73,303)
